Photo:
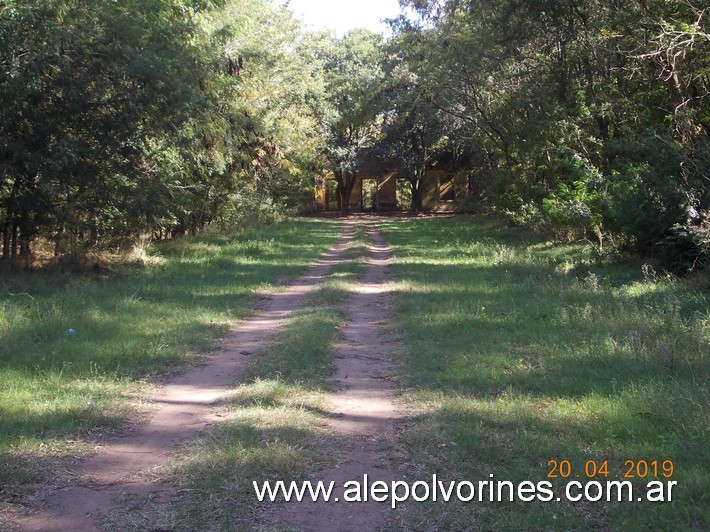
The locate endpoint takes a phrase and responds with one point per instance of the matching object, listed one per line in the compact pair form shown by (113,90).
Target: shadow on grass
(277,431)
(142,322)
(216,479)
(521,352)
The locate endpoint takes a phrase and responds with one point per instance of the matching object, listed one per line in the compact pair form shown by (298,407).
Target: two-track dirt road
(363,410)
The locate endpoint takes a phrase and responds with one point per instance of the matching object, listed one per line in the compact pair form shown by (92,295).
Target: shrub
(685,249)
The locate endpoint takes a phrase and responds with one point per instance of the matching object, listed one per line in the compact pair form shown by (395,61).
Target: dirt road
(363,410)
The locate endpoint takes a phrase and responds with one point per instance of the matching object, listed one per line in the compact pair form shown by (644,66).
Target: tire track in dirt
(363,411)
(187,406)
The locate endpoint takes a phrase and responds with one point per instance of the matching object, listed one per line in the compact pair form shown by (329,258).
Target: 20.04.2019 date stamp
(631,469)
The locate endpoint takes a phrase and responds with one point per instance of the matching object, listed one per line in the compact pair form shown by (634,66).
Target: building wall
(430,190)
(441,191)
(387,193)
(321,201)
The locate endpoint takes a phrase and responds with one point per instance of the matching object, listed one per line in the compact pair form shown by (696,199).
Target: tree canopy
(586,118)
(148,116)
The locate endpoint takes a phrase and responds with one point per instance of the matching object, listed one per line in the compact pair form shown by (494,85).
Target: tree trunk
(58,241)
(416,205)
(345,199)
(346,183)
(13,243)
(25,250)
(6,242)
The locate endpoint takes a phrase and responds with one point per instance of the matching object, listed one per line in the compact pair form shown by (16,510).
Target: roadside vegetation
(583,118)
(73,346)
(520,351)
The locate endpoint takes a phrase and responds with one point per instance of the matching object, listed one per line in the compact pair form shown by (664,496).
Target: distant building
(380,188)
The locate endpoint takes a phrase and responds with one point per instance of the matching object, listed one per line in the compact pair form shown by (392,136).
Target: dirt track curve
(363,411)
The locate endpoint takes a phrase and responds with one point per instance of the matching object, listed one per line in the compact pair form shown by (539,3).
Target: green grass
(520,351)
(344,276)
(275,421)
(273,429)
(517,351)
(58,390)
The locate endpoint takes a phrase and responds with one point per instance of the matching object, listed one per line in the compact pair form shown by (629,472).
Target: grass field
(59,391)
(520,352)
(515,352)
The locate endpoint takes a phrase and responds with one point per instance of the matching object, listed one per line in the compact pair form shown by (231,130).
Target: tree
(353,86)
(157,115)
(90,83)
(416,132)
(593,113)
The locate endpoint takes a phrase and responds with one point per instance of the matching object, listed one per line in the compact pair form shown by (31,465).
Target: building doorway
(369,195)
(404,194)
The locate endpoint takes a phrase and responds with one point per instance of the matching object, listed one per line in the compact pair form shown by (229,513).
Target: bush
(572,210)
(685,249)
(249,208)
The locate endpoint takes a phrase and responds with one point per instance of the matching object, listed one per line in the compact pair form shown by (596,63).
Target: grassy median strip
(273,430)
(275,422)
(72,346)
(521,352)
(343,278)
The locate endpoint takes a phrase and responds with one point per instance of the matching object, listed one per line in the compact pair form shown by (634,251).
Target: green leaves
(147,116)
(550,91)
(352,107)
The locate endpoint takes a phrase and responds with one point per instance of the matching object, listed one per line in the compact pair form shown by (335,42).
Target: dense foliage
(587,117)
(161,116)
(354,79)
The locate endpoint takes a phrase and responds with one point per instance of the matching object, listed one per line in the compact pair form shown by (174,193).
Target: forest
(584,119)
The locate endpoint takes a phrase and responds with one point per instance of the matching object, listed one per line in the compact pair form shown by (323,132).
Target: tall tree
(594,112)
(87,84)
(156,115)
(417,133)
(352,115)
